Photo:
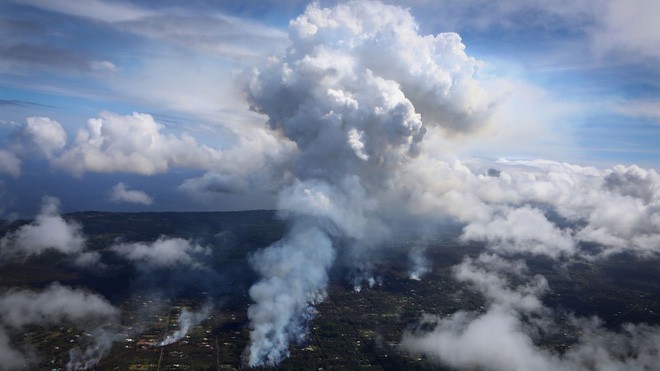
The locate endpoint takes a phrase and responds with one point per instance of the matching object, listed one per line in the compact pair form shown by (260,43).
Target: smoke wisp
(419,264)
(186,320)
(48,231)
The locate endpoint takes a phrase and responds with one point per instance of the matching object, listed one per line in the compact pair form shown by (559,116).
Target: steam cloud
(121,193)
(345,92)
(164,252)
(352,92)
(187,320)
(54,305)
(48,231)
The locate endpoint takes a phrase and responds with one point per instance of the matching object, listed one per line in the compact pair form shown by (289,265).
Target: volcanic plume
(351,92)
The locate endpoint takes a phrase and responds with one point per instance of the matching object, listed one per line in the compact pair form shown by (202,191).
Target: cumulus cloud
(541,207)
(49,230)
(164,252)
(351,92)
(523,230)
(137,144)
(357,92)
(46,134)
(38,136)
(132,144)
(121,193)
(212,33)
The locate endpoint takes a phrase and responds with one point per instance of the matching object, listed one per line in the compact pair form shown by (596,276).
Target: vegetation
(351,330)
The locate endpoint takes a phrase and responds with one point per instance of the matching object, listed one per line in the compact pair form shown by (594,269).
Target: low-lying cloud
(49,230)
(164,252)
(506,335)
(543,207)
(121,193)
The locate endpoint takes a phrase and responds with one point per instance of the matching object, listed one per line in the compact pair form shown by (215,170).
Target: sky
(164,84)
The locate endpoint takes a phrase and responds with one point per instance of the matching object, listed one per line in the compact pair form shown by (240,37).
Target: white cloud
(98,10)
(492,341)
(132,144)
(164,252)
(56,304)
(629,30)
(352,93)
(103,66)
(540,207)
(121,193)
(39,135)
(46,134)
(356,92)
(48,231)
(521,230)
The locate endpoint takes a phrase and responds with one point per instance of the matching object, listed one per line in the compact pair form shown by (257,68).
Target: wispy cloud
(98,10)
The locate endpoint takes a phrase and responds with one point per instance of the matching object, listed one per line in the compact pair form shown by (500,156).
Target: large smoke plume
(351,92)
(357,91)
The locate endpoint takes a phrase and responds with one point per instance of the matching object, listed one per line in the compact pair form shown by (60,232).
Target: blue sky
(578,83)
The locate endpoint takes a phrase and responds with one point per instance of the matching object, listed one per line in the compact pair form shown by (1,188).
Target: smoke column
(419,264)
(187,320)
(345,92)
(101,344)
